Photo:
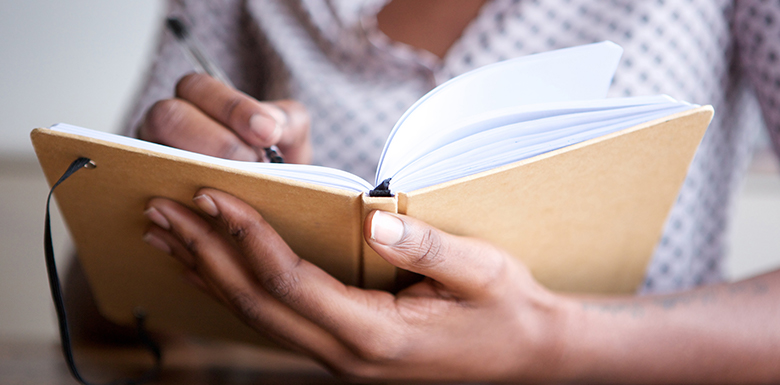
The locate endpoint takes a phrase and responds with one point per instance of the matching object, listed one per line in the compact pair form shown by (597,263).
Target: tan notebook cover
(583,218)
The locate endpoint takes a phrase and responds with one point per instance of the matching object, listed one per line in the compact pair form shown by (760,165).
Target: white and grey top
(356,82)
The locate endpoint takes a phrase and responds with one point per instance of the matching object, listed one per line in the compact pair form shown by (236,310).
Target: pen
(192,50)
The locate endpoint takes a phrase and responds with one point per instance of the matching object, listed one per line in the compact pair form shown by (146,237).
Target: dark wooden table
(187,361)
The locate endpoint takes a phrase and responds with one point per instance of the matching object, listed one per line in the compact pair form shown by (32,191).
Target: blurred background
(75,61)
(81,62)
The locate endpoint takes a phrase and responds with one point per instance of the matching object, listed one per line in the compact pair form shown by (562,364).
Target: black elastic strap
(56,295)
(382,190)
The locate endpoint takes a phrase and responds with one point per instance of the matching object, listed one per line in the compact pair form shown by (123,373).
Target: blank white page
(577,73)
(490,149)
(323,176)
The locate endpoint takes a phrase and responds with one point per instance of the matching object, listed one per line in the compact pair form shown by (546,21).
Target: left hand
(478,315)
(212,118)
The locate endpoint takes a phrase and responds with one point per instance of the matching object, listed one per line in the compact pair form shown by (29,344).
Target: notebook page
(505,118)
(323,176)
(576,73)
(482,154)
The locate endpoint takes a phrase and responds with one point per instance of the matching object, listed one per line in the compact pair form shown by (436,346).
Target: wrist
(568,351)
(549,331)
(596,338)
(573,357)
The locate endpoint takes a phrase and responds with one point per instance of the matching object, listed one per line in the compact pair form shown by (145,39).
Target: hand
(477,316)
(212,118)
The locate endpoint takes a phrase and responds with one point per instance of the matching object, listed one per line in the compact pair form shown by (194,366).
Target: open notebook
(527,154)
(486,118)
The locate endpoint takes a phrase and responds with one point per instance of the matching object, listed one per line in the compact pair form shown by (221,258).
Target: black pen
(202,63)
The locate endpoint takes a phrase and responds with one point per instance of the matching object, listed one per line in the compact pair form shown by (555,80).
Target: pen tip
(177,27)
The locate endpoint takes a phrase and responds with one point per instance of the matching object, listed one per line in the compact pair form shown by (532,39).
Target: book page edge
(331,190)
(696,110)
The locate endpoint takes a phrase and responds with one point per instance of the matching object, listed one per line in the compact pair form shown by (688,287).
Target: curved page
(553,123)
(464,159)
(323,176)
(576,73)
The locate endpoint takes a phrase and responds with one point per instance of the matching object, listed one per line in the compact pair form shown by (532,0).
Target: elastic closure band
(59,305)
(382,190)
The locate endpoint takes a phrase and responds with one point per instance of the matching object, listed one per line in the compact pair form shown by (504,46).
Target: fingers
(258,124)
(179,124)
(295,142)
(219,271)
(210,117)
(302,286)
(464,266)
(359,319)
(243,262)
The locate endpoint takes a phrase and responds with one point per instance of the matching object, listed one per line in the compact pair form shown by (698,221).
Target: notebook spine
(375,272)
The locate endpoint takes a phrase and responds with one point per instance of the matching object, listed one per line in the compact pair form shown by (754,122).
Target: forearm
(723,333)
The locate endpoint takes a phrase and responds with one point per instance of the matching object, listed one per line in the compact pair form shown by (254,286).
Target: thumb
(463,265)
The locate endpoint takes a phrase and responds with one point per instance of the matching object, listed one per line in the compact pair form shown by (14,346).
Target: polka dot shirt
(356,82)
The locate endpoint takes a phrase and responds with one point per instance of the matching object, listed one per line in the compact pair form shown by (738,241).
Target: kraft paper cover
(103,208)
(583,218)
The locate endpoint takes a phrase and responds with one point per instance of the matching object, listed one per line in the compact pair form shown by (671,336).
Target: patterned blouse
(356,82)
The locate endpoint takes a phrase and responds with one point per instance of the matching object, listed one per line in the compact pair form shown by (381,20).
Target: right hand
(479,316)
(212,118)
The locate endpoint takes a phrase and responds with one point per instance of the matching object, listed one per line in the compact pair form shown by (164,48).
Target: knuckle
(381,347)
(241,225)
(189,84)
(238,232)
(192,242)
(422,313)
(231,108)
(494,268)
(191,245)
(429,250)
(371,356)
(245,305)
(283,286)
(163,117)
(228,149)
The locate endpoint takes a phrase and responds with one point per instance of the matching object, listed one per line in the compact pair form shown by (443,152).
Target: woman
(479,315)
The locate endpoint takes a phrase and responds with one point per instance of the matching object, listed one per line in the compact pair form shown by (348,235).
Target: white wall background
(75,61)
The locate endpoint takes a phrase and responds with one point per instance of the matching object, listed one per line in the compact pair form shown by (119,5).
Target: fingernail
(386,229)
(157,243)
(264,127)
(157,218)
(206,204)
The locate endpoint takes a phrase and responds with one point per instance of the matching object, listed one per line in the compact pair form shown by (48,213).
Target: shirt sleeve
(757,30)
(227,34)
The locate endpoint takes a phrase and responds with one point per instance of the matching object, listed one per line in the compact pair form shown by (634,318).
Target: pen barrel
(201,61)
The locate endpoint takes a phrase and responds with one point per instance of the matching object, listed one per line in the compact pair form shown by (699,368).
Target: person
(325,80)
